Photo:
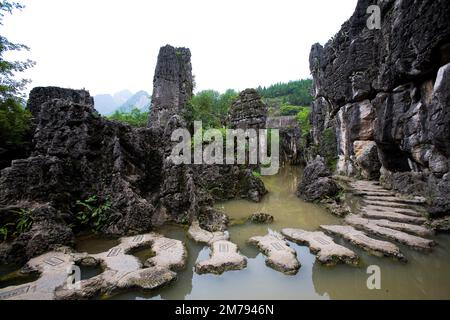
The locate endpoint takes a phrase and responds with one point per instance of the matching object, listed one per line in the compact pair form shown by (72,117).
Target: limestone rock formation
(248,111)
(77,154)
(172,85)
(384,95)
(317,183)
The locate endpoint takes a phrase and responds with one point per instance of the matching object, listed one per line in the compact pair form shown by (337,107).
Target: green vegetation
(256,174)
(303,120)
(14,119)
(297,93)
(210,107)
(136,117)
(22,222)
(93,213)
(328,148)
(14,122)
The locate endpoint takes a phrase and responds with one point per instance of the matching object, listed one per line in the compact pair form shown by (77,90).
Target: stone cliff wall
(383,96)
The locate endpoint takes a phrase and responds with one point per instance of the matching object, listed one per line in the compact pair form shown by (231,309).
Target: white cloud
(109,45)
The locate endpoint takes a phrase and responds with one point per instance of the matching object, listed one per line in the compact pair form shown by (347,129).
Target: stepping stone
(396,217)
(360,239)
(408,212)
(224,254)
(224,257)
(122,270)
(327,251)
(279,255)
(387,204)
(52,267)
(405,227)
(169,253)
(396,200)
(200,235)
(369,226)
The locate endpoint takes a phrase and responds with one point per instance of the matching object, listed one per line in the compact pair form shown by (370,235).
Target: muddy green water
(425,276)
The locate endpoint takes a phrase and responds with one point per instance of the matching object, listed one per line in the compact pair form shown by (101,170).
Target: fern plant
(93,214)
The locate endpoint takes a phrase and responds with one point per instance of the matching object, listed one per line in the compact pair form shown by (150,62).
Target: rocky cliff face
(383,95)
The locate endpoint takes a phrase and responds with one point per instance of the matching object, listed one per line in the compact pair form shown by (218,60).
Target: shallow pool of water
(425,276)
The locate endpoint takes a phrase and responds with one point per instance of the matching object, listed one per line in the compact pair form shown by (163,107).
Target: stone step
(396,200)
(405,227)
(373,193)
(405,211)
(224,257)
(360,239)
(388,204)
(370,227)
(280,256)
(396,217)
(327,251)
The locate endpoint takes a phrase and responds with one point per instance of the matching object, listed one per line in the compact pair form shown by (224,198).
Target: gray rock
(317,183)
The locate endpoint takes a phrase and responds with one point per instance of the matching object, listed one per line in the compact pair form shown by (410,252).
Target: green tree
(14,118)
(135,117)
(210,107)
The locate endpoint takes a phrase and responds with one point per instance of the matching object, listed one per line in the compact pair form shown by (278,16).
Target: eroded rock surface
(326,250)
(279,255)
(317,182)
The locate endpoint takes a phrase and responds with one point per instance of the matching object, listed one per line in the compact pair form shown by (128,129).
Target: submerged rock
(261,217)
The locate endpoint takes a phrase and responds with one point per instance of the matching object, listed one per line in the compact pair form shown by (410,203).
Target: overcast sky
(109,45)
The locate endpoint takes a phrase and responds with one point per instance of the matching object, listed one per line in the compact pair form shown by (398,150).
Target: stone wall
(385,94)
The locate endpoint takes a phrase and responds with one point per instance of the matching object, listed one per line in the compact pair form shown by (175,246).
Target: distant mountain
(122,96)
(141,100)
(105,104)
(124,101)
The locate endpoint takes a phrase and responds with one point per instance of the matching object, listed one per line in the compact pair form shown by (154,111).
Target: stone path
(372,227)
(327,251)
(360,239)
(224,256)
(388,216)
(121,270)
(280,256)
